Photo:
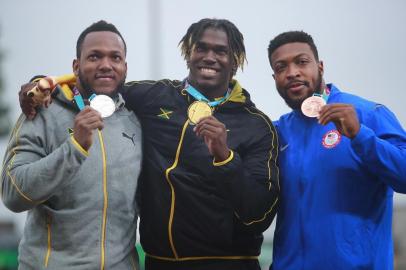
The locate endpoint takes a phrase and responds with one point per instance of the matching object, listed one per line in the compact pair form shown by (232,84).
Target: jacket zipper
(105,201)
(48,254)
(172,211)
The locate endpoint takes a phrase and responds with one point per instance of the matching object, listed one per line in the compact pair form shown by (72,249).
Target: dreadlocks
(235,38)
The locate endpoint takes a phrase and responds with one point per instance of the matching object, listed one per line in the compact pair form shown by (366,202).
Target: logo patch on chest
(132,138)
(331,139)
(165,113)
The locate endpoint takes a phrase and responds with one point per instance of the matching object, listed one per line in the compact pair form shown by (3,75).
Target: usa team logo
(331,139)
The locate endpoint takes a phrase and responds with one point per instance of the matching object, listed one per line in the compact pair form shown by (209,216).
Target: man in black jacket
(210,181)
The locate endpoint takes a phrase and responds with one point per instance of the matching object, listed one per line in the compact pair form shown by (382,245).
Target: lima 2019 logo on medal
(331,139)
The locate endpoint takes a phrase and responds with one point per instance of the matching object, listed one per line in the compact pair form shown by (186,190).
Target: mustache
(305,83)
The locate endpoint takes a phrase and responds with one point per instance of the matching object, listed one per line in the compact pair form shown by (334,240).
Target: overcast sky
(361,42)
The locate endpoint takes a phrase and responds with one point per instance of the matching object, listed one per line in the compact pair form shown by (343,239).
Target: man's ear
(234,70)
(273,76)
(321,68)
(75,67)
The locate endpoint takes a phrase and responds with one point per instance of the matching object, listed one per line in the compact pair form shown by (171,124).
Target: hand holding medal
(343,116)
(207,126)
(214,134)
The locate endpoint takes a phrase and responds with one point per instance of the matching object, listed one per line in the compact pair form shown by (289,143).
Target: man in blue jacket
(340,164)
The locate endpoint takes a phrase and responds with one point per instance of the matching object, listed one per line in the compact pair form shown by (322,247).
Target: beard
(88,90)
(295,104)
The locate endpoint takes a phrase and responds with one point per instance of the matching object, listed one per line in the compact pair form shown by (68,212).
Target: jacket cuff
(79,147)
(221,163)
(361,141)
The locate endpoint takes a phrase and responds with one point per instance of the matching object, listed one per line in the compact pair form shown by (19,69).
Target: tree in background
(5,123)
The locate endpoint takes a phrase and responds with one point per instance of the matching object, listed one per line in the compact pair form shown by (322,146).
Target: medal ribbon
(324,95)
(200,97)
(79,99)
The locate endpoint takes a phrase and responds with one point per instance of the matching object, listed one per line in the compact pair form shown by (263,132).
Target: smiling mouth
(105,79)
(208,71)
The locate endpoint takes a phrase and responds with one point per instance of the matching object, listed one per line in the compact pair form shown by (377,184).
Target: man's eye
(303,61)
(279,68)
(199,49)
(222,52)
(93,57)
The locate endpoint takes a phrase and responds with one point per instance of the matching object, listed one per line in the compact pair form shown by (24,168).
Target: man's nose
(293,71)
(105,64)
(210,57)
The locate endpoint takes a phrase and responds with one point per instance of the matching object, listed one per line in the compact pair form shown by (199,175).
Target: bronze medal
(311,106)
(197,110)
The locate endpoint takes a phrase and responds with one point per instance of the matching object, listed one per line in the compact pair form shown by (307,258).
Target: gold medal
(311,106)
(197,110)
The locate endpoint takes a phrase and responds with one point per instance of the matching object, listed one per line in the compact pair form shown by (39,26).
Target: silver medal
(103,104)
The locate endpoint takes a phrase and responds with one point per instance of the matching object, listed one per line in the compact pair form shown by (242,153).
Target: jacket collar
(237,95)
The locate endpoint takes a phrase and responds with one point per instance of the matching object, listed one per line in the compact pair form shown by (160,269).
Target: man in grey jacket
(73,171)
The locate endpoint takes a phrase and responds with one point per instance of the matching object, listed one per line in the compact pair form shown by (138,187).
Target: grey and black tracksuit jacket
(81,204)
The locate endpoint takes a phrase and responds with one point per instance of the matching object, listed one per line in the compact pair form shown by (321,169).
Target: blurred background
(362,44)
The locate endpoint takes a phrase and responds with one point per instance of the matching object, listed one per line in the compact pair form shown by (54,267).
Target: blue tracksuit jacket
(336,193)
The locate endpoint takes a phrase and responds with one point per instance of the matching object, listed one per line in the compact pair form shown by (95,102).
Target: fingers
(85,123)
(46,84)
(343,116)
(334,112)
(209,126)
(89,119)
(47,101)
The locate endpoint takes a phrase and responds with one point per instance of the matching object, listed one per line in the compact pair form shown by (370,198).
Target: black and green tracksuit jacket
(192,208)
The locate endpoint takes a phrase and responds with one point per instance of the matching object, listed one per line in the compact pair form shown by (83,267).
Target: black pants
(154,264)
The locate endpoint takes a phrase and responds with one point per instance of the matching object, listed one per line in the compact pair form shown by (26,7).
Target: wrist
(221,156)
(79,146)
(230,156)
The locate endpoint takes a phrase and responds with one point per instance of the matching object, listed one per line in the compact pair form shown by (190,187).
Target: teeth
(208,70)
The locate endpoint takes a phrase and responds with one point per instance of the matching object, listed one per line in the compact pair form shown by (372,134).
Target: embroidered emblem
(331,139)
(132,138)
(165,113)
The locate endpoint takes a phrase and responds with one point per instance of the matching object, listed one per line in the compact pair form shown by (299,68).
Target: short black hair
(235,38)
(97,27)
(291,37)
